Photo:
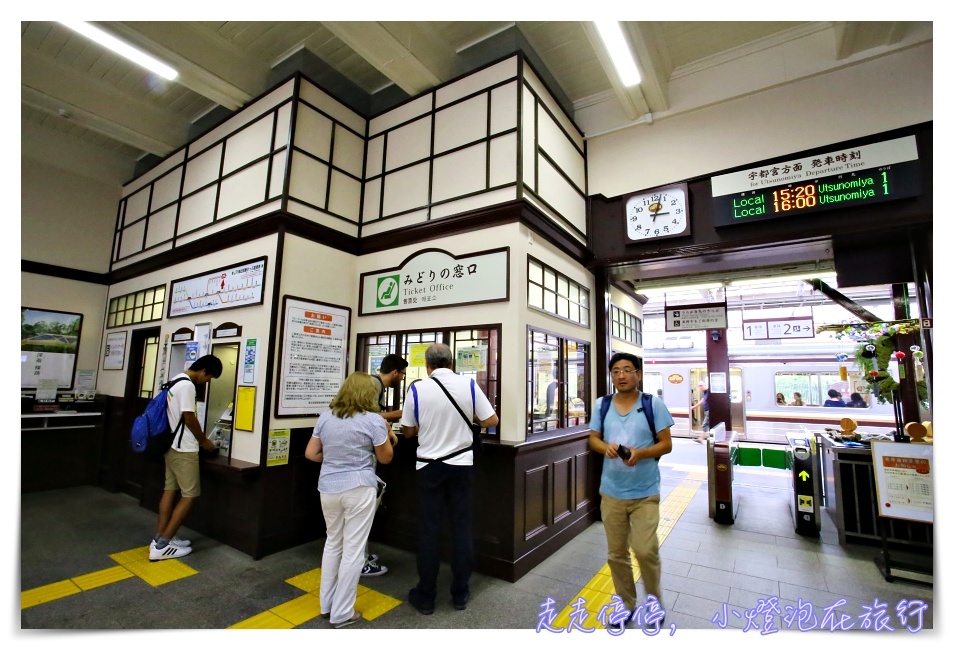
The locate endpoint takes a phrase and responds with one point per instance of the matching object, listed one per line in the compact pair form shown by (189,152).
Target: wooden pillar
(717,360)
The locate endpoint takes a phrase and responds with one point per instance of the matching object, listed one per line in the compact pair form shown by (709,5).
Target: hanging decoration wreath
(872,357)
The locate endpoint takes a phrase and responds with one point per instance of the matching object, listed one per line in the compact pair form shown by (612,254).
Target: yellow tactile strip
(131,563)
(598,591)
(369,602)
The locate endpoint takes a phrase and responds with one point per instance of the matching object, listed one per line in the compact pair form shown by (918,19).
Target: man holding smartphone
(629,484)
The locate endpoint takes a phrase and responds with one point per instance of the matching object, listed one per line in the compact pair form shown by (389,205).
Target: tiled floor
(82,566)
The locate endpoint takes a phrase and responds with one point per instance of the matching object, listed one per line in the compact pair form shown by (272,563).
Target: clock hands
(654,210)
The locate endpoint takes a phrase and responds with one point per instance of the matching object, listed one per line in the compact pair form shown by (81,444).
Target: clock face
(657,214)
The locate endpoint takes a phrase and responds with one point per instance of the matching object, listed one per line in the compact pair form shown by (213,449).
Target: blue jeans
(441,486)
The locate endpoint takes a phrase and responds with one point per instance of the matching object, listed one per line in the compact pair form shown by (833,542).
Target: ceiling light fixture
(824,275)
(611,32)
(121,48)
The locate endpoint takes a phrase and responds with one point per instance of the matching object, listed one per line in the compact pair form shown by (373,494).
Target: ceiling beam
(655,66)
(631,99)
(854,37)
(414,65)
(207,64)
(52,87)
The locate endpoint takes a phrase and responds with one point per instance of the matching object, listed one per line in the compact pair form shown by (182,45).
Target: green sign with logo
(389,291)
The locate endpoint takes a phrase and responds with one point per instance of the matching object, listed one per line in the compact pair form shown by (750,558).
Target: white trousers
(348,518)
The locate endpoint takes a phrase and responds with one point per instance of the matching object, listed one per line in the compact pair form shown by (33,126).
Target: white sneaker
(181,543)
(170,551)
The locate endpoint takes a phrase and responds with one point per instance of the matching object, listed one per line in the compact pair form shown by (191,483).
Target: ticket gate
(806,483)
(721,454)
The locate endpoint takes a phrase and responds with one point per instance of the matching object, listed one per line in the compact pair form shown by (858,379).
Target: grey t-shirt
(348,447)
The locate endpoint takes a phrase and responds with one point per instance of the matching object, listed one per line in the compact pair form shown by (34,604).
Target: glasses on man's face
(616,372)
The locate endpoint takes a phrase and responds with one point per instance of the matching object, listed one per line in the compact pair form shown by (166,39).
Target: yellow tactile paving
(599,590)
(153,573)
(134,562)
(46,593)
(299,610)
(104,577)
(263,621)
(309,581)
(369,602)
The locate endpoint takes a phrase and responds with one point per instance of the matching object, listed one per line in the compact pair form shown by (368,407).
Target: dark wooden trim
(53,270)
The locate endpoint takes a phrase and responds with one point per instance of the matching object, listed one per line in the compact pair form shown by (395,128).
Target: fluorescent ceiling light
(824,275)
(123,49)
(615,42)
(658,291)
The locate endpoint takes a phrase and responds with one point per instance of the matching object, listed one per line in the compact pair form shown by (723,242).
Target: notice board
(904,480)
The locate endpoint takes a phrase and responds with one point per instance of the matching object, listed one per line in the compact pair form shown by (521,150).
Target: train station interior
(301,199)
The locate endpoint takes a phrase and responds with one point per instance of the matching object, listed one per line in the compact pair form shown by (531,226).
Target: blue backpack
(150,431)
(646,406)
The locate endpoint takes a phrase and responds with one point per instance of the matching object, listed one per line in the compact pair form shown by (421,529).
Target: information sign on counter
(314,356)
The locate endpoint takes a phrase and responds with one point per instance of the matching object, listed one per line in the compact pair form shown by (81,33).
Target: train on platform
(773,389)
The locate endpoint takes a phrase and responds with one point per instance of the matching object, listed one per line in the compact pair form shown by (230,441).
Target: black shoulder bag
(476,445)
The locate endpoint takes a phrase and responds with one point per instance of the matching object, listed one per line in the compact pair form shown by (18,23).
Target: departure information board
(884,171)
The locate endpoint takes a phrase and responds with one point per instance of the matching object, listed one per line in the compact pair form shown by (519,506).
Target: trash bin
(806,484)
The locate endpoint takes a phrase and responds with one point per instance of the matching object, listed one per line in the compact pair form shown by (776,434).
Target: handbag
(477,443)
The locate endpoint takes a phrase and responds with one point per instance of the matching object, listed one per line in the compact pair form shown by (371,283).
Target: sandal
(354,619)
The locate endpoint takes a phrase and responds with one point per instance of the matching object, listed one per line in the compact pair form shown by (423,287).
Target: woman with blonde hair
(347,440)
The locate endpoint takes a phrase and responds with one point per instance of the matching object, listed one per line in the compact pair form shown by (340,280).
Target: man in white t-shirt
(182,459)
(444,472)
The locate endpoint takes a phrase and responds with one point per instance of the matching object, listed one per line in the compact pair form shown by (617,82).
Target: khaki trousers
(632,524)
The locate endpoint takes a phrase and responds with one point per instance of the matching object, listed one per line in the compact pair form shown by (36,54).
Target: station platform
(84,566)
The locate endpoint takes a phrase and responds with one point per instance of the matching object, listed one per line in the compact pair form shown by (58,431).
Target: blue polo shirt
(632,430)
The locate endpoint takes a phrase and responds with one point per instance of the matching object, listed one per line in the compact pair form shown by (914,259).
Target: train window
(811,388)
(557,386)
(653,383)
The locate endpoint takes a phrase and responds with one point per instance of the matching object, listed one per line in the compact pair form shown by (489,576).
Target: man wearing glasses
(390,373)
(629,485)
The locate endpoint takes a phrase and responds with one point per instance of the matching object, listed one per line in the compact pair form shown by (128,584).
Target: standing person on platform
(629,488)
(703,404)
(182,459)
(347,440)
(445,469)
(391,373)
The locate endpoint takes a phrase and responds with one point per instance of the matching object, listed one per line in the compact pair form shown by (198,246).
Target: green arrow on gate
(803,475)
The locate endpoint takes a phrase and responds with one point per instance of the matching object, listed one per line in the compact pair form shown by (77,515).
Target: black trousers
(443,487)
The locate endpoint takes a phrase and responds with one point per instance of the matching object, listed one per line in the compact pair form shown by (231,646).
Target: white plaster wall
(254,319)
(312,271)
(44,292)
(840,105)
(65,219)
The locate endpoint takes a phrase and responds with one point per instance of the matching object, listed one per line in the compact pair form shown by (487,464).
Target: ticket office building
(299,241)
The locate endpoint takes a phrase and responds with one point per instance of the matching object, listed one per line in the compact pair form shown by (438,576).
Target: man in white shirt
(444,472)
(182,459)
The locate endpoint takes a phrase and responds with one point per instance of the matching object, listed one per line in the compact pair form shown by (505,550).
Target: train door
(736,401)
(696,416)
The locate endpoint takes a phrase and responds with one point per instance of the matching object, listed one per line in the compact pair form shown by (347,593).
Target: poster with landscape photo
(49,341)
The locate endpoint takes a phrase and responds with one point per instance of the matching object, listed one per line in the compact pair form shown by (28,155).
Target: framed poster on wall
(314,356)
(114,356)
(49,342)
(229,287)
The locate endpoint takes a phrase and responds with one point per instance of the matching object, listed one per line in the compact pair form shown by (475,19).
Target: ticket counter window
(557,384)
(476,354)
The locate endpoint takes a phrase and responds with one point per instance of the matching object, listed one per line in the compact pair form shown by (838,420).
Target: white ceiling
(79,100)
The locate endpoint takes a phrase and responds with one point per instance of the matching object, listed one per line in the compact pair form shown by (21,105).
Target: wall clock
(658,213)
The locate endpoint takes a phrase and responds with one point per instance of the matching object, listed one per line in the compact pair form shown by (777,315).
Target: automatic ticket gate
(806,483)
(721,454)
